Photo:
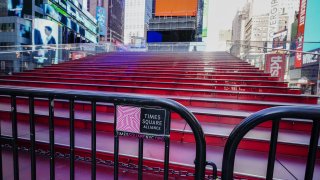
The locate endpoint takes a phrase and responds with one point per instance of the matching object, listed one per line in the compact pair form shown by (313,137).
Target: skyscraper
(137,16)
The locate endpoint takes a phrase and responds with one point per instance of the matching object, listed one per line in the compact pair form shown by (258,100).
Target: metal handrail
(274,114)
(94,97)
(270,48)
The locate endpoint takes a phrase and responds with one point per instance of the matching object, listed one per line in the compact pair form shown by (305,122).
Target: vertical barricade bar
(71,112)
(140,163)
(273,148)
(93,140)
(313,147)
(116,146)
(167,146)
(15,137)
(1,171)
(32,138)
(51,138)
(166,158)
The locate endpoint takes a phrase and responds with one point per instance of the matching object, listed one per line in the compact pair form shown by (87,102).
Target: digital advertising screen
(101,18)
(205,18)
(312,26)
(300,33)
(45,32)
(176,7)
(280,40)
(171,36)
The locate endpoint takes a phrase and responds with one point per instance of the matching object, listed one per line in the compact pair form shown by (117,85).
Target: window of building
(7,27)
(38,3)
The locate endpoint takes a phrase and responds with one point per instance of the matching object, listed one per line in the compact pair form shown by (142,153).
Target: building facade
(112,30)
(137,16)
(74,24)
(42,22)
(238,31)
(177,23)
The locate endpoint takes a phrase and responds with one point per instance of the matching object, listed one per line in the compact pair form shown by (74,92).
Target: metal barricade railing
(116,99)
(275,115)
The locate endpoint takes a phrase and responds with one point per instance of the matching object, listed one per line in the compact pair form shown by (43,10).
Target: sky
(221,14)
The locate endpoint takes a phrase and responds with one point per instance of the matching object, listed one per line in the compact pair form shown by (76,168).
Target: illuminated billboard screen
(45,32)
(171,36)
(176,8)
(312,26)
(102,19)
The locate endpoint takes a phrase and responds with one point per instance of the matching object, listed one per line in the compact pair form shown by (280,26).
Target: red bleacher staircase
(219,89)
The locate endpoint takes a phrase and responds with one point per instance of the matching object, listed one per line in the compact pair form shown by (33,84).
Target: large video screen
(171,36)
(46,32)
(101,18)
(312,26)
(176,7)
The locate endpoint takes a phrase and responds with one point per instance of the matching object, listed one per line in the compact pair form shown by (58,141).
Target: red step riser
(154,74)
(165,85)
(148,70)
(255,145)
(144,78)
(154,62)
(155,65)
(228,95)
(209,78)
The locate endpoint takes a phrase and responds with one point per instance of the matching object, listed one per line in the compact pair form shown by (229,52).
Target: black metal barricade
(275,114)
(94,97)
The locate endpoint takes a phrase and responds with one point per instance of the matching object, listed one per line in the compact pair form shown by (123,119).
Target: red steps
(216,134)
(168,91)
(214,79)
(164,79)
(160,74)
(183,152)
(244,88)
(218,110)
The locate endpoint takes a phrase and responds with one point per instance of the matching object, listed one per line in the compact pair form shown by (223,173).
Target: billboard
(300,34)
(171,36)
(276,65)
(280,40)
(205,18)
(312,26)
(101,16)
(45,32)
(176,8)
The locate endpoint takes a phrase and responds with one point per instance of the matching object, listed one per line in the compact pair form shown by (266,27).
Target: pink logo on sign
(128,119)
